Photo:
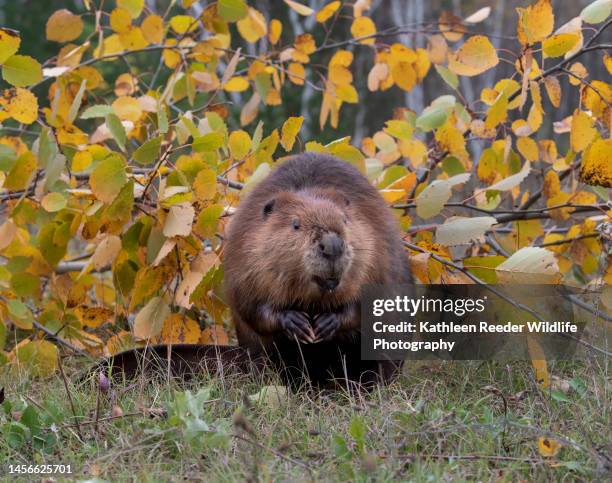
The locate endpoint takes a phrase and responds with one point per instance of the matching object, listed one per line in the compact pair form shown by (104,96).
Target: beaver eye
(296,224)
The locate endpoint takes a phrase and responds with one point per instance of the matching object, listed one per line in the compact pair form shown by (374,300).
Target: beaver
(299,250)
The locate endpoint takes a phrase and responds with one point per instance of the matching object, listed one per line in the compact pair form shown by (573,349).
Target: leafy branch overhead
(123,156)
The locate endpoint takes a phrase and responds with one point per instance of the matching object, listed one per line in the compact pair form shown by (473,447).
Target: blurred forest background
(413,19)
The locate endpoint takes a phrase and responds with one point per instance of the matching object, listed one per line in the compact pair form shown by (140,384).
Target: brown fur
(272,267)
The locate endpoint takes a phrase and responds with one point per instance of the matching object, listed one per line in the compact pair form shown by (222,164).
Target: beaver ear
(268,207)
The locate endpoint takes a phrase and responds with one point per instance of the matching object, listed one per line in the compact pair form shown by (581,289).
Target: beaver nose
(331,246)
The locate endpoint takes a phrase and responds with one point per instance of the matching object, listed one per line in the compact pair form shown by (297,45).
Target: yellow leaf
(120,20)
(305,44)
(415,151)
(476,55)
(347,93)
(528,148)
(559,44)
(110,45)
(597,98)
(153,29)
(39,357)
(540,367)
(583,133)
(451,139)
(127,108)
(296,73)
(535,118)
(498,112)
(607,61)
(276,29)
(553,89)
(205,184)
(133,39)
(20,104)
(327,11)
(133,6)
(536,22)
(253,26)
(392,195)
(548,447)
(64,26)
(596,166)
(289,131)
(183,24)
(579,72)
(363,27)
(180,329)
(404,75)
(239,144)
(342,57)
(236,84)
(552,184)
(339,75)
(422,64)
(94,316)
(299,8)
(9,44)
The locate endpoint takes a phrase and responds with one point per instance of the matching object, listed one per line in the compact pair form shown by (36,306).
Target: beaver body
(299,251)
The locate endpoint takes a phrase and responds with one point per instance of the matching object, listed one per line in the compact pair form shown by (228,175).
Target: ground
(443,421)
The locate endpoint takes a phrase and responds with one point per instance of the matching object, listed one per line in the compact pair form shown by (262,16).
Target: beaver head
(310,241)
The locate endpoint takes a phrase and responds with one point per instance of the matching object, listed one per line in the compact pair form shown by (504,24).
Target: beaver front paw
(325,326)
(296,325)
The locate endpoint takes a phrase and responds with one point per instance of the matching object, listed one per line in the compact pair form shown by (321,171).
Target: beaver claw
(296,325)
(325,326)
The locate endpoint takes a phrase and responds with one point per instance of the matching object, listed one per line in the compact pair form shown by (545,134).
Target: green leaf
(452,166)
(448,76)
(76,103)
(208,142)
(148,152)
(99,110)
(162,120)
(15,434)
(597,11)
(432,118)
(206,225)
(47,147)
(232,10)
(108,177)
(25,284)
(22,71)
(116,129)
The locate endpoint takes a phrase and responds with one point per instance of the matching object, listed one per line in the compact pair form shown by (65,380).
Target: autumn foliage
(116,181)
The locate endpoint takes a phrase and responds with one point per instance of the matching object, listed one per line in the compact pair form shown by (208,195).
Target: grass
(444,421)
